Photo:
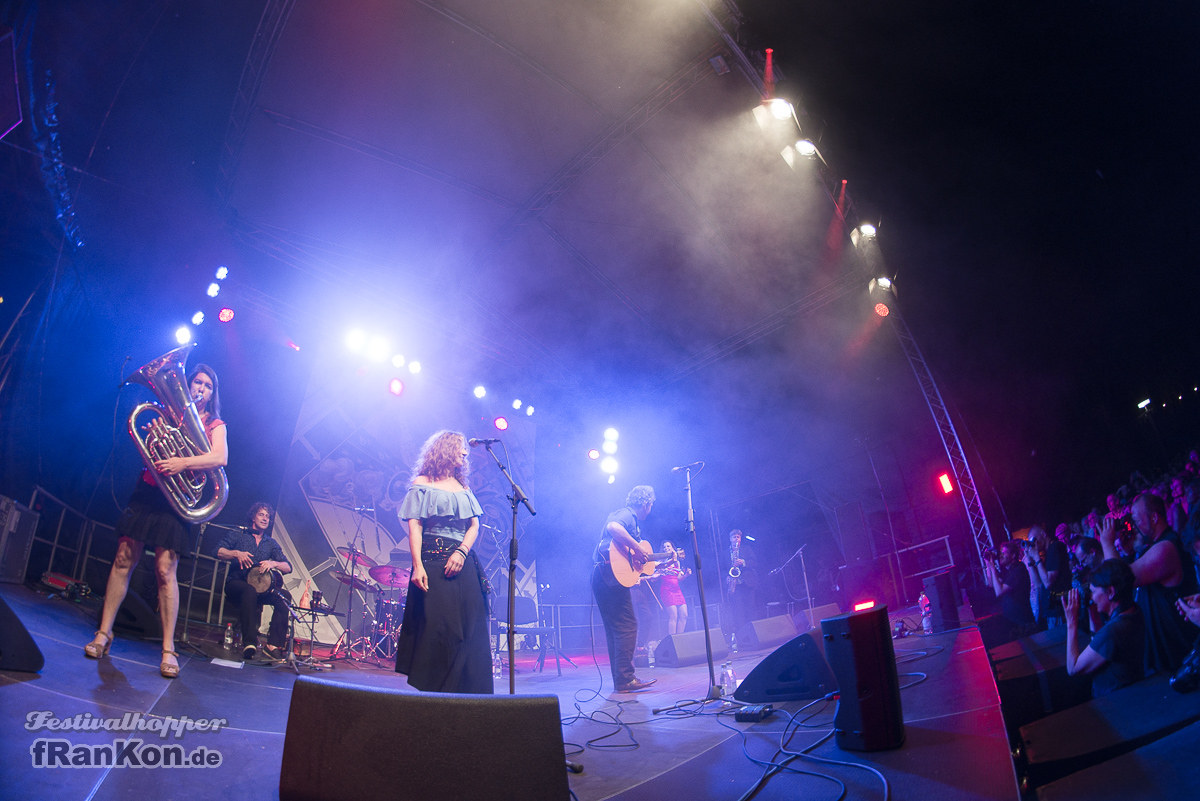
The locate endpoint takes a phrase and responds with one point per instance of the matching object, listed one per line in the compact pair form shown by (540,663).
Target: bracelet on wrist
(463,551)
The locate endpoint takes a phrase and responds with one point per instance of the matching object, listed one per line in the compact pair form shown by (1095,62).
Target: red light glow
(864,605)
(501,423)
(396,387)
(593,454)
(882,310)
(225,314)
(944,481)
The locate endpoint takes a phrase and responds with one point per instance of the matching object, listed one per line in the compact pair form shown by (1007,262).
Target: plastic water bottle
(728,679)
(497,666)
(228,636)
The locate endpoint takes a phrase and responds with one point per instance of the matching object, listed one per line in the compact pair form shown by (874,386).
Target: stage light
(593,454)
(396,387)
(225,315)
(609,465)
(882,310)
(414,367)
(780,109)
(867,230)
(1144,404)
(884,282)
(291,344)
(609,446)
(883,294)
(222,273)
(198,318)
(501,423)
(529,411)
(356,340)
(864,605)
(805,147)
(398,361)
(612,434)
(377,349)
(214,289)
(946,484)
(183,335)
(516,404)
(480,391)
(612,479)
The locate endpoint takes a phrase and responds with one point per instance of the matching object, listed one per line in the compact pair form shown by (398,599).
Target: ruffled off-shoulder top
(443,513)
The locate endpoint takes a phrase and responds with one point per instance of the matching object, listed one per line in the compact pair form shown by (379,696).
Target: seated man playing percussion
(256,580)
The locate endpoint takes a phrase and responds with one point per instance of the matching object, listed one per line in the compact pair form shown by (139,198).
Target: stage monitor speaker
(806,621)
(794,671)
(18,651)
(352,741)
(676,650)
(766,633)
(942,593)
(859,649)
(10,95)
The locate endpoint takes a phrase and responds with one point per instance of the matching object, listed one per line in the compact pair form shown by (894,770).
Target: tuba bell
(176,430)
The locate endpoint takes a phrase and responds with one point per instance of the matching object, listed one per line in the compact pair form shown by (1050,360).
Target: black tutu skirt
(150,520)
(444,645)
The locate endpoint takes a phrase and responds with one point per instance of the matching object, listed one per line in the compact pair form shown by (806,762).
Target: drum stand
(312,663)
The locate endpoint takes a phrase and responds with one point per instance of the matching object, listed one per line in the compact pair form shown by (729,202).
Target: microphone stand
(183,637)
(714,689)
(804,571)
(517,498)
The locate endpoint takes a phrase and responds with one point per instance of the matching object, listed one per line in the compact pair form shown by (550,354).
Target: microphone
(687,466)
(474,441)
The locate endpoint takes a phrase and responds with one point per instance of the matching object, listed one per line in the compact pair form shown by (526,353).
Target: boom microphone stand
(516,499)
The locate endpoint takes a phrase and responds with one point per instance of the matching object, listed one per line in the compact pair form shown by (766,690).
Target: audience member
(1115,655)
(1161,579)
(1049,575)
(1009,579)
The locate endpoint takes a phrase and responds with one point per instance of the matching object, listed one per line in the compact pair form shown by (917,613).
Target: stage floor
(955,746)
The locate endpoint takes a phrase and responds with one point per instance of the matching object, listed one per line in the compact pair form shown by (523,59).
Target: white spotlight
(529,411)
(609,446)
(609,465)
(214,289)
(414,367)
(867,230)
(377,349)
(516,404)
(198,318)
(183,335)
(222,273)
(612,434)
(1144,404)
(480,391)
(805,147)
(780,108)
(398,360)
(356,340)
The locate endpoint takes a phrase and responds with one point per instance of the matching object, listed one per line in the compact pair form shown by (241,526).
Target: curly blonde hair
(436,459)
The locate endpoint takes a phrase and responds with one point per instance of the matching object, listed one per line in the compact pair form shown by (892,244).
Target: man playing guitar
(260,562)
(622,533)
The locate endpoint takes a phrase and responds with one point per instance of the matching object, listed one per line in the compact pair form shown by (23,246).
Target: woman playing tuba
(150,521)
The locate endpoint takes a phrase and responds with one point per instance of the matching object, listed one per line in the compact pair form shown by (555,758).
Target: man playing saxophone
(149,521)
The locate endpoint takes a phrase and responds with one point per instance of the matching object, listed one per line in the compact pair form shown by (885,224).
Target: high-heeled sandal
(94,649)
(168,670)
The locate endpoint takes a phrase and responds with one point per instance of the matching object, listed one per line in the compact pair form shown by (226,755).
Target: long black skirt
(444,644)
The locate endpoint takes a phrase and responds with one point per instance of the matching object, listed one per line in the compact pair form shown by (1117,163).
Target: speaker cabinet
(806,621)
(766,633)
(859,649)
(18,651)
(942,592)
(17,526)
(677,650)
(795,670)
(352,741)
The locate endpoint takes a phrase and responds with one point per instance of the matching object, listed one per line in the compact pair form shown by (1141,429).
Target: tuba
(176,430)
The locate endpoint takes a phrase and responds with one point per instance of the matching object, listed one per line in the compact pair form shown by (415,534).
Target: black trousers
(249,604)
(620,623)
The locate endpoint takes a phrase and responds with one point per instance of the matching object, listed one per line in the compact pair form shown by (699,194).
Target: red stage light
(396,386)
(862,605)
(225,314)
(881,309)
(947,486)
(501,423)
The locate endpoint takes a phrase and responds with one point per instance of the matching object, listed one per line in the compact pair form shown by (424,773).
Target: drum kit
(390,583)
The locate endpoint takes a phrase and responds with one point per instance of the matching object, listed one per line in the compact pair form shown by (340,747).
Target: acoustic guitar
(623,569)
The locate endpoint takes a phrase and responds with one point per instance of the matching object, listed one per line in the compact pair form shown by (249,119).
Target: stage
(955,746)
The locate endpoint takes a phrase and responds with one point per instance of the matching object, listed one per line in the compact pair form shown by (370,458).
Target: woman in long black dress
(444,644)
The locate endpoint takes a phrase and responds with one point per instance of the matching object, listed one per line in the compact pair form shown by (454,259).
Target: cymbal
(356,556)
(390,576)
(353,581)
